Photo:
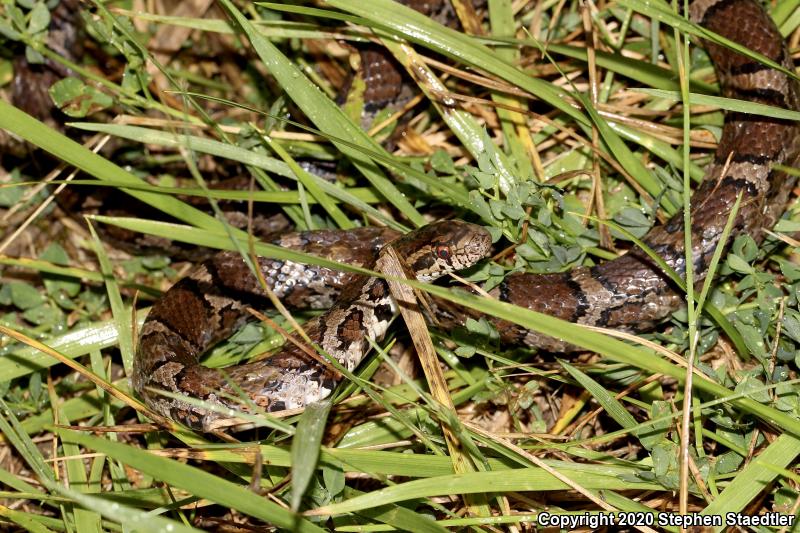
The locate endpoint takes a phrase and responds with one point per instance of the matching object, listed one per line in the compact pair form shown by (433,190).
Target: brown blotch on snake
(210,303)
(628,293)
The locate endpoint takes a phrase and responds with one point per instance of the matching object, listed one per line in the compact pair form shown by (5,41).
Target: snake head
(443,247)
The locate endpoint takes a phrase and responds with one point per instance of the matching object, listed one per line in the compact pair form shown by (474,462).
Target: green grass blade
(662,12)
(307,181)
(401,519)
(120,312)
(234,153)
(629,161)
(613,407)
(611,348)
(64,148)
(24,520)
(416,27)
(324,113)
(750,482)
(195,481)
(133,519)
(728,104)
(463,125)
(219,240)
(523,479)
(306,447)
(74,344)
(643,72)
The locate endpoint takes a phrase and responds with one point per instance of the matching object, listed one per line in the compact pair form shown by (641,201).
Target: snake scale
(628,293)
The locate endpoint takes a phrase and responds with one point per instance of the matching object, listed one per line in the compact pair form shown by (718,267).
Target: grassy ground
(549,117)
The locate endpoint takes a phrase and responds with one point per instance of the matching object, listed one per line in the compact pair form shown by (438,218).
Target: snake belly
(628,293)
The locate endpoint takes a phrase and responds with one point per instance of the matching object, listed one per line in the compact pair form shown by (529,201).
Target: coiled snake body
(629,292)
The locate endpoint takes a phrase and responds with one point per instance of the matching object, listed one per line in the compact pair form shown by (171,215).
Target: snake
(630,292)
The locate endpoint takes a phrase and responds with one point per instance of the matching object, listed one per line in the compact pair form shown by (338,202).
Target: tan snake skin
(627,293)
(210,304)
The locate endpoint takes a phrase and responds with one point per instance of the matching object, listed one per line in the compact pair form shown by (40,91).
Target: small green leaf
(465,351)
(746,247)
(33,57)
(665,463)
(789,270)
(753,388)
(442,162)
(59,287)
(728,462)
(43,315)
(155,262)
(753,339)
(657,432)
(40,18)
(10,194)
(8,32)
(77,99)
(333,477)
(791,325)
(24,296)
(633,220)
(739,265)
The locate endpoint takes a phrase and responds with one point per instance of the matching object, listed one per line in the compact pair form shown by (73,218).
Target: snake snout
(469,244)
(480,244)
(441,247)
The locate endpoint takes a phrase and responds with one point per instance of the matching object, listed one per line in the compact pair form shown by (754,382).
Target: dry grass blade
(391,265)
(82,370)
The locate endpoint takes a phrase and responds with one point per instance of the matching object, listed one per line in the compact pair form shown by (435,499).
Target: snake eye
(443,252)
